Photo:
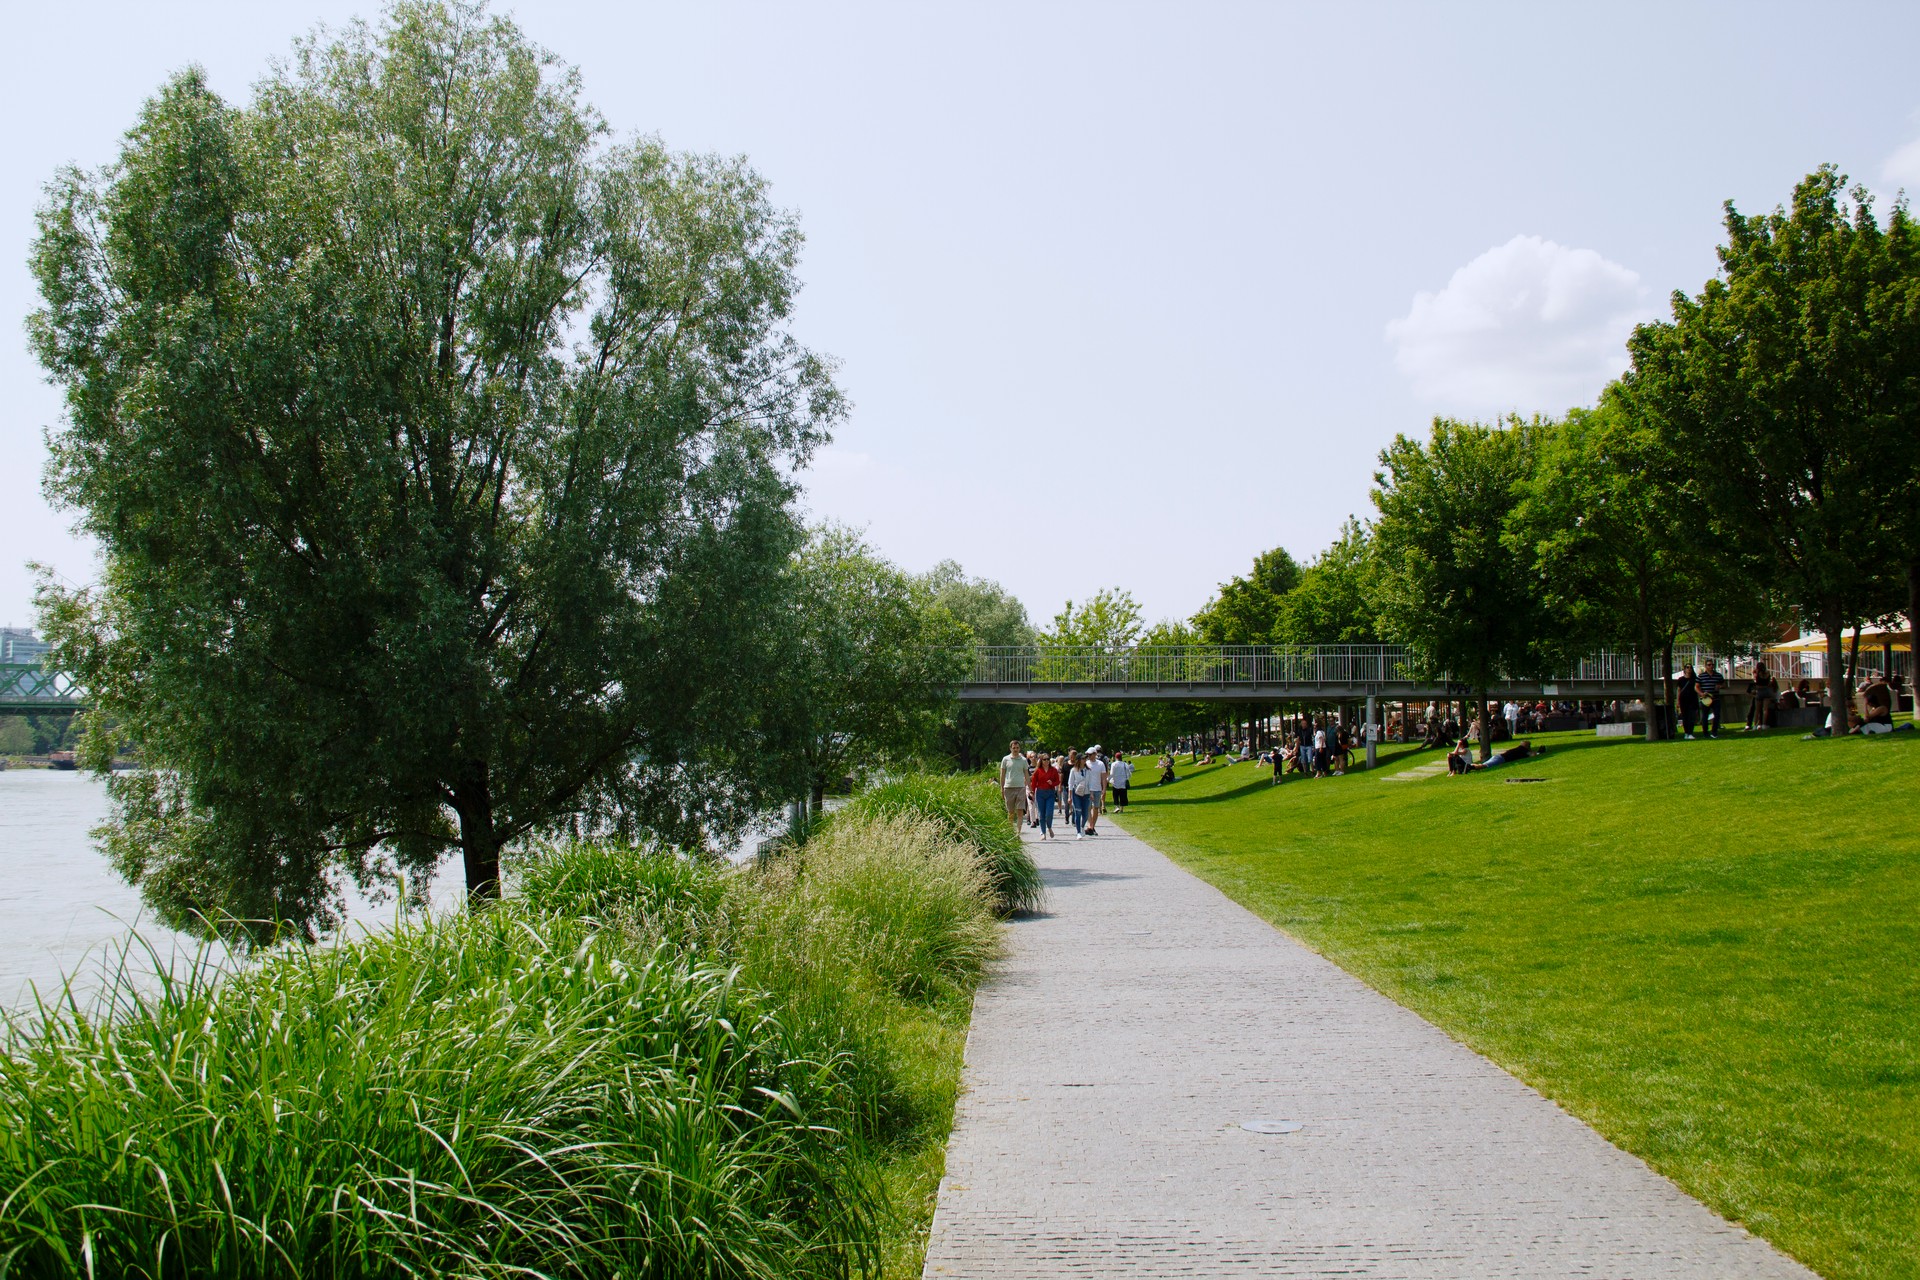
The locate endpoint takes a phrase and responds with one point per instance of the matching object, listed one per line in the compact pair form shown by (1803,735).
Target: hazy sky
(1123,295)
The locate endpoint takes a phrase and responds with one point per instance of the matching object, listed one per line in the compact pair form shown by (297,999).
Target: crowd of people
(1037,786)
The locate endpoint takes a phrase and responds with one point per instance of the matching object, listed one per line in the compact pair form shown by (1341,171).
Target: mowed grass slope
(1709,950)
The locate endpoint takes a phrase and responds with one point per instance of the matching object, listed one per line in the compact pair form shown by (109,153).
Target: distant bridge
(27,688)
(1276,673)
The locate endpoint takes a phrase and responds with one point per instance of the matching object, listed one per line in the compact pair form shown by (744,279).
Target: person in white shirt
(1118,777)
(1512,712)
(1078,780)
(1320,762)
(1096,788)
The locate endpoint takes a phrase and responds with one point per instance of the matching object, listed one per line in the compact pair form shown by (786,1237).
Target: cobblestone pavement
(1144,1016)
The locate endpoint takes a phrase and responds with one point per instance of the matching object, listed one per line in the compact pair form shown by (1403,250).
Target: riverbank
(1704,949)
(638,1065)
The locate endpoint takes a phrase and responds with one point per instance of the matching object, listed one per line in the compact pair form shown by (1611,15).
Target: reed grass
(640,1066)
(966,809)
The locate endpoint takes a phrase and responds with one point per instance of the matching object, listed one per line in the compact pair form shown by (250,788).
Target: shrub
(967,810)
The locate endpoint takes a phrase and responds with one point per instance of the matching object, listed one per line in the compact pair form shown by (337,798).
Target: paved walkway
(1133,1028)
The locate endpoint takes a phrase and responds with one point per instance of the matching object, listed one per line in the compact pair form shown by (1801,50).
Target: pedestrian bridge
(1273,673)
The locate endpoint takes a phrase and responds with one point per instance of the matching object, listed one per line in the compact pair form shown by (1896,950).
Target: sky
(1123,295)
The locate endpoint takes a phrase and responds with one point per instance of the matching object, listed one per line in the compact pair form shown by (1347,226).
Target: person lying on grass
(1518,751)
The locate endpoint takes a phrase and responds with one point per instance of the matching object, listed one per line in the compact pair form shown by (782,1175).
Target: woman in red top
(1045,782)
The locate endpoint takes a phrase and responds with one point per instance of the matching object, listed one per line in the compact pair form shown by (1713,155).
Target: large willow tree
(439,450)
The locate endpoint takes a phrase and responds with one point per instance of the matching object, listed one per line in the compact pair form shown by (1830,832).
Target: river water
(64,914)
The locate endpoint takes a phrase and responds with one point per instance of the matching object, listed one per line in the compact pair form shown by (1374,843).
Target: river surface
(64,913)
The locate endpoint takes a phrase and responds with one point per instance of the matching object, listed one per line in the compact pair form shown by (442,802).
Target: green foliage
(1249,610)
(1784,397)
(972,733)
(876,658)
(1452,590)
(967,811)
(1109,621)
(1336,600)
(16,736)
(1724,994)
(704,1075)
(439,453)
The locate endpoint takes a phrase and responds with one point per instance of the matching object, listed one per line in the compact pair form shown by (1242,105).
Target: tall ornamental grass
(641,1067)
(965,810)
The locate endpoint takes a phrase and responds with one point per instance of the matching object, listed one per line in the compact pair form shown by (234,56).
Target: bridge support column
(1372,731)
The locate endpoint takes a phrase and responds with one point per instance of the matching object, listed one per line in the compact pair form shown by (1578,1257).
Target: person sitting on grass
(1878,697)
(1166,770)
(1460,759)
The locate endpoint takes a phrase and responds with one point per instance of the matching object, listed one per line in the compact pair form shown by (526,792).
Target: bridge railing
(1303,665)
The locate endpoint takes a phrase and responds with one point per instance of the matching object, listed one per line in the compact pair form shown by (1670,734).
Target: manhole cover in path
(1270,1126)
(1523,779)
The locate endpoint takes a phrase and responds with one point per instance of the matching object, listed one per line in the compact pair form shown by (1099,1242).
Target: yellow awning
(1872,639)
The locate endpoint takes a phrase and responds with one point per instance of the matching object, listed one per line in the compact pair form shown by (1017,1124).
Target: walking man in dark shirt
(1710,681)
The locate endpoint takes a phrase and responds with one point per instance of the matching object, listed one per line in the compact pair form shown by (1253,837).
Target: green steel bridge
(27,688)
(1274,673)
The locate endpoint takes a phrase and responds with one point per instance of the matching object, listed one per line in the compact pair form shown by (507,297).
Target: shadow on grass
(1262,783)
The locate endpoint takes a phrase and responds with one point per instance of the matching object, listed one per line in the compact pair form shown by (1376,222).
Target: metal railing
(1307,666)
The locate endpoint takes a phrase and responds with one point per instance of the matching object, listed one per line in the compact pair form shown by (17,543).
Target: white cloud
(1529,325)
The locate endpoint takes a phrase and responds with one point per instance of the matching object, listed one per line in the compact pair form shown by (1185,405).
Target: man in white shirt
(1118,777)
(1096,787)
(1512,712)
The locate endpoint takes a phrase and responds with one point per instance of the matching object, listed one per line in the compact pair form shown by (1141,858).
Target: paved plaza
(1135,1025)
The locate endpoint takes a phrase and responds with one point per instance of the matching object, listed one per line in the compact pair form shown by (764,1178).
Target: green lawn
(1705,949)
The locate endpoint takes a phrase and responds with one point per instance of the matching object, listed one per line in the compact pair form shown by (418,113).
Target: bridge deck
(1274,673)
(1274,691)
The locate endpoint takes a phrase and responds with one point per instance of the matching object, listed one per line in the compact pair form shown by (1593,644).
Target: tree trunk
(1481,722)
(817,795)
(1836,632)
(1669,712)
(479,849)
(1645,655)
(1913,647)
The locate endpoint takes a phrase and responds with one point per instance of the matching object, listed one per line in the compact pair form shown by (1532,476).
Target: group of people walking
(1036,785)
